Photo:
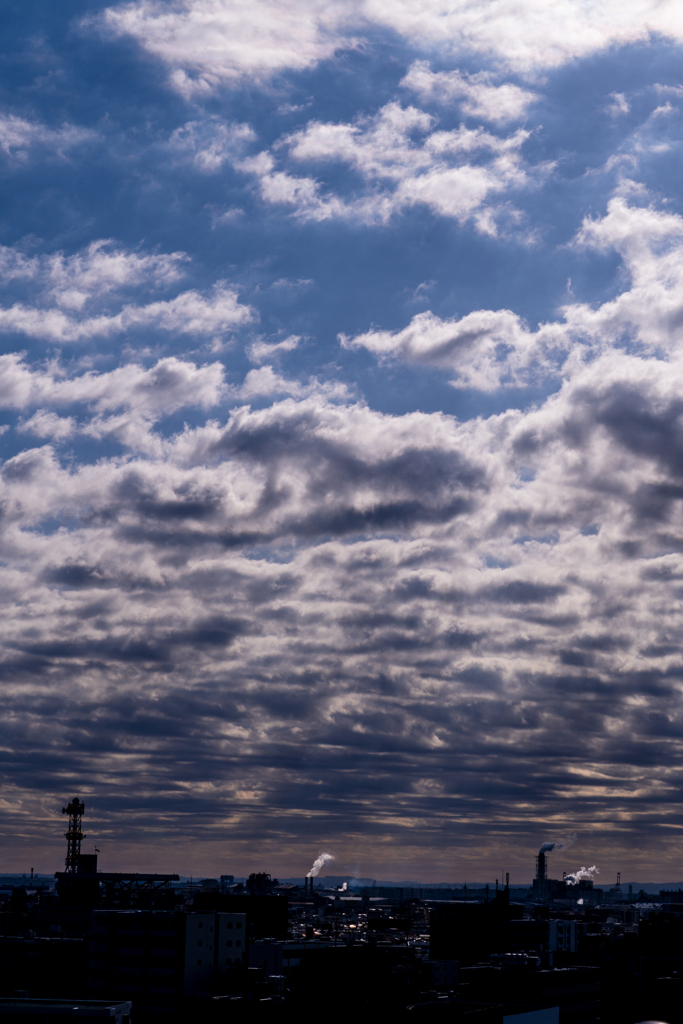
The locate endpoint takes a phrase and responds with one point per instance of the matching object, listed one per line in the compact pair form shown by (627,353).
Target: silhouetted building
(544,888)
(661,988)
(576,990)
(260,884)
(358,981)
(267,916)
(88,1011)
(266,954)
(43,967)
(469,932)
(85,886)
(161,960)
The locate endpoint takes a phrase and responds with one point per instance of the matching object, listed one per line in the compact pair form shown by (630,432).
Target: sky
(341,427)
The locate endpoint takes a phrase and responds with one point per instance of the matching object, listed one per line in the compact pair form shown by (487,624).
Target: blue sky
(340,375)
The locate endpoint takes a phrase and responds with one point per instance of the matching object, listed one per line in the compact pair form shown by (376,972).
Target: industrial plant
(160,948)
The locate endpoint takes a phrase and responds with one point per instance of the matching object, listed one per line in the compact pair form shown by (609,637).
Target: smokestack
(318,863)
(541,869)
(507,879)
(559,844)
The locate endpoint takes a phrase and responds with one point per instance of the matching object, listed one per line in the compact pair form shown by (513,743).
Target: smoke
(581,874)
(344,887)
(318,863)
(559,844)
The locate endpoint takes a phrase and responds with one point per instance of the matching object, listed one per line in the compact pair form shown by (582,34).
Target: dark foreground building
(163,961)
(470,932)
(41,967)
(85,1011)
(267,916)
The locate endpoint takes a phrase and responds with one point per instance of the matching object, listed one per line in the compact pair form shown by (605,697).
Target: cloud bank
(448,597)
(340,411)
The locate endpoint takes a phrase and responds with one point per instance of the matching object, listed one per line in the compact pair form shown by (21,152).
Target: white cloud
(288,284)
(18,137)
(487,349)
(124,403)
(128,401)
(619,104)
(477,94)
(188,313)
(377,146)
(210,42)
(650,243)
(260,350)
(47,424)
(403,161)
(97,270)
(192,312)
(670,90)
(211,143)
(280,188)
(530,35)
(207,43)
(74,295)
(264,382)
(161,389)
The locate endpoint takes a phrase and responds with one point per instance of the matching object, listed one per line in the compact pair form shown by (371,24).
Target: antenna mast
(75,810)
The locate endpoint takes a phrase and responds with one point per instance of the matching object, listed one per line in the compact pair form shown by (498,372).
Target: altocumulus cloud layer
(340,403)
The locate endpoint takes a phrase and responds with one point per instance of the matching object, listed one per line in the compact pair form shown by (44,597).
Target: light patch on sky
(341,433)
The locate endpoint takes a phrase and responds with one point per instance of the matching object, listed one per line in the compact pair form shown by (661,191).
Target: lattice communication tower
(75,810)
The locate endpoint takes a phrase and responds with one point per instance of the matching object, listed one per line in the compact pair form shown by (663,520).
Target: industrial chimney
(541,868)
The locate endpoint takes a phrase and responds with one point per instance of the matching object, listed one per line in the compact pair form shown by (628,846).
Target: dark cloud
(524,592)
(75,576)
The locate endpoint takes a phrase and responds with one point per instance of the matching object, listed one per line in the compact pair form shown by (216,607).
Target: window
(201,924)
(229,924)
(199,963)
(238,943)
(199,943)
(238,925)
(229,942)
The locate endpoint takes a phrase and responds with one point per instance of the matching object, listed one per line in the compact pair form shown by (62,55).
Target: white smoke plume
(318,863)
(581,874)
(344,887)
(559,844)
